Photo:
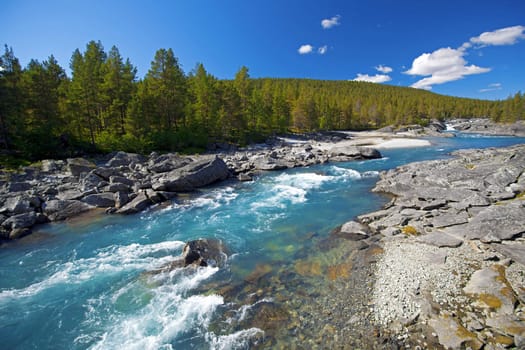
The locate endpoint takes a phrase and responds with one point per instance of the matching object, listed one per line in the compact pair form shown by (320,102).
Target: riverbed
(94,283)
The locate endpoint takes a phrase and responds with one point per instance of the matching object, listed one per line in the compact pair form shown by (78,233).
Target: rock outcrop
(469,212)
(488,127)
(245,164)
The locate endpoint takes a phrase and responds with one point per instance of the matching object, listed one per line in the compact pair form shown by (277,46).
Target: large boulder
(77,166)
(197,174)
(18,187)
(353,152)
(353,231)
(139,203)
(167,162)
(106,173)
(121,180)
(16,205)
(51,165)
(19,221)
(125,159)
(92,181)
(58,209)
(204,252)
(270,163)
(100,200)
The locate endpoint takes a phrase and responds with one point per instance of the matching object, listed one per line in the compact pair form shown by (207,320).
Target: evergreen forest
(103,106)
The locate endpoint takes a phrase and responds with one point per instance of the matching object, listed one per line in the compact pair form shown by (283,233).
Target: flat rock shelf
(452,274)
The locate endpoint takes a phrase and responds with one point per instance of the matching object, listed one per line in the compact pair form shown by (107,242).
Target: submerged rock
(205,252)
(353,231)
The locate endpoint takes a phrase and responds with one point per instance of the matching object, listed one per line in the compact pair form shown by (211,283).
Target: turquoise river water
(94,283)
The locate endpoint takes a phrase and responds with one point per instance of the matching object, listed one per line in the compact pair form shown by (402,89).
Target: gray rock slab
(20,221)
(440,239)
(197,174)
(353,231)
(121,180)
(452,335)
(16,205)
(77,166)
(167,162)
(100,200)
(125,159)
(57,209)
(504,221)
(489,289)
(447,218)
(18,187)
(138,204)
(515,251)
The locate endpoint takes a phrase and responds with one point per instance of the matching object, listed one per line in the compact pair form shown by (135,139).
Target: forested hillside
(103,106)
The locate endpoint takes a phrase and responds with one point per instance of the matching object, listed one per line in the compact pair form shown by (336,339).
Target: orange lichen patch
(470,339)
(501,339)
(375,250)
(308,268)
(452,335)
(410,231)
(470,166)
(508,292)
(339,271)
(490,300)
(462,332)
(515,330)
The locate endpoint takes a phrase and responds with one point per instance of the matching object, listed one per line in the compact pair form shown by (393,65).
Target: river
(92,283)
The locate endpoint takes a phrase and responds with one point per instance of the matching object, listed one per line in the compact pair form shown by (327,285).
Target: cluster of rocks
(434,128)
(488,127)
(453,271)
(128,183)
(245,164)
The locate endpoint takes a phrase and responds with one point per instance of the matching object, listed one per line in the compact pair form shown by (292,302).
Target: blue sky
(454,47)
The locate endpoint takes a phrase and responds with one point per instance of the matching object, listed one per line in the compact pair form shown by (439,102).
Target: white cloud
(378,78)
(322,50)
(305,49)
(504,36)
(383,69)
(328,23)
(442,66)
(492,87)
(447,64)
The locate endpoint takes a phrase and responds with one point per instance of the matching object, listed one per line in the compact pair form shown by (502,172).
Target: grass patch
(12,163)
(410,231)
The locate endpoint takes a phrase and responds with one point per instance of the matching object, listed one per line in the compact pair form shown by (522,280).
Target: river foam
(108,261)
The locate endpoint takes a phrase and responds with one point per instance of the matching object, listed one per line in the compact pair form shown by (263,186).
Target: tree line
(103,106)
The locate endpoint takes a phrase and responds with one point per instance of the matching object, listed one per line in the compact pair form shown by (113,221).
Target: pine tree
(42,83)
(11,100)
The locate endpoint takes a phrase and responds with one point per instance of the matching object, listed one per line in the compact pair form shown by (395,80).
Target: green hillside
(103,106)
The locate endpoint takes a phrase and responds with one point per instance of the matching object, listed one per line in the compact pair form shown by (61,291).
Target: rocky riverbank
(486,126)
(452,274)
(127,183)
